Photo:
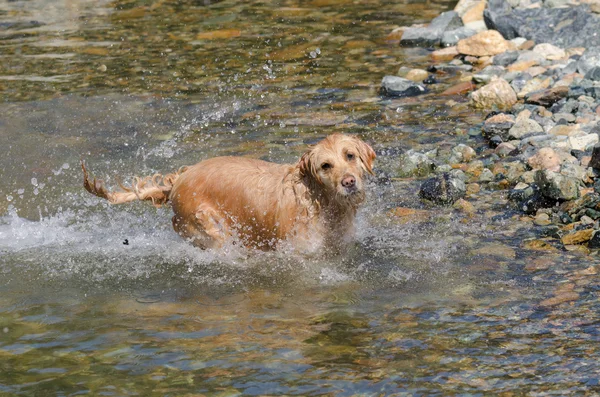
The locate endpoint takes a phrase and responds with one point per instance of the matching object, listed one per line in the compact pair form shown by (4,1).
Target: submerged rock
(415,164)
(452,37)
(400,87)
(443,189)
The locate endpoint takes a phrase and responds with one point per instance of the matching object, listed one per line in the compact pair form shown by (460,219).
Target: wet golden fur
(311,203)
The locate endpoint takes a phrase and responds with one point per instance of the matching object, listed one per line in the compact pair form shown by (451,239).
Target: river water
(108,300)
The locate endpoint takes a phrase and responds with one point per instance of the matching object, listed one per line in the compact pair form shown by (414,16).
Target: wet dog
(311,204)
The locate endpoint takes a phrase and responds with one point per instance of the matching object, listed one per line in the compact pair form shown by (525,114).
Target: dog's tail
(156,188)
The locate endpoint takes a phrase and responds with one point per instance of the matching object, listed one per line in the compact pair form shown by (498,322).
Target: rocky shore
(536,66)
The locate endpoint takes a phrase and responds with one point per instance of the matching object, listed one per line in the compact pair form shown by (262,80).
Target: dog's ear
(367,155)
(307,167)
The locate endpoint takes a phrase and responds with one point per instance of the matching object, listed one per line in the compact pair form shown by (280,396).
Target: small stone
(560,298)
(452,37)
(463,153)
(400,87)
(564,130)
(595,240)
(583,142)
(568,117)
(486,176)
(593,74)
(496,93)
(416,75)
(595,160)
(547,97)
(498,124)
(443,189)
(464,206)
(485,76)
(542,219)
(445,54)
(549,51)
(489,42)
(415,164)
(556,186)
(506,58)
(520,66)
(578,237)
(459,89)
(545,159)
(524,127)
(505,149)
(431,35)
(534,85)
(473,188)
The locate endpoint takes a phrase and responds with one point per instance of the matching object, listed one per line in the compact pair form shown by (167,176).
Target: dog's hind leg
(207,229)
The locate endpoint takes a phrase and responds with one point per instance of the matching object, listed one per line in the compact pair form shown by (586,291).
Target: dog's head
(337,165)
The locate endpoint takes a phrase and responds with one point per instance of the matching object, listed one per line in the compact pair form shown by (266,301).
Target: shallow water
(438,304)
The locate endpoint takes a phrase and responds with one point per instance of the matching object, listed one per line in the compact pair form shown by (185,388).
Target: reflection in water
(439,303)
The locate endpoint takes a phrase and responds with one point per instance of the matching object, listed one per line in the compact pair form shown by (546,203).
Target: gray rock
(595,161)
(568,117)
(415,164)
(556,186)
(443,189)
(526,56)
(518,83)
(400,87)
(563,27)
(506,58)
(595,240)
(573,171)
(486,175)
(524,128)
(589,59)
(485,75)
(452,37)
(593,74)
(431,35)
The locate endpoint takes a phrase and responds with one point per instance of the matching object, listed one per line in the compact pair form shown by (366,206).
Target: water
(108,300)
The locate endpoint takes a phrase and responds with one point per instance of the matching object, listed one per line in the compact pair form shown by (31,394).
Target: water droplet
(9,198)
(34,181)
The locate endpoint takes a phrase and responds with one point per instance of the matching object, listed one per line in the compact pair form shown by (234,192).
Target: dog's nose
(348,181)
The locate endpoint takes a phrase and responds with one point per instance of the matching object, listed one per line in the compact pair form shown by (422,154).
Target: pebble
(496,93)
(489,42)
(545,159)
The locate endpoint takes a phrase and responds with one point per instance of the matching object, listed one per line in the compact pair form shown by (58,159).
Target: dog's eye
(325,166)
(350,156)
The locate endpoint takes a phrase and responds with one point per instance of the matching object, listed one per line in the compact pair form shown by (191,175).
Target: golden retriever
(311,203)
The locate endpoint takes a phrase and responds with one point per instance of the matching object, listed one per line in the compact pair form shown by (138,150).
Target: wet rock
(563,27)
(583,142)
(498,124)
(518,82)
(521,191)
(489,42)
(464,206)
(573,171)
(486,176)
(416,75)
(545,159)
(452,37)
(430,80)
(486,75)
(556,186)
(595,240)
(577,237)
(549,51)
(445,54)
(497,93)
(534,85)
(523,128)
(415,164)
(461,154)
(542,219)
(593,74)
(505,149)
(400,87)
(431,35)
(505,58)
(458,89)
(595,160)
(590,59)
(443,189)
